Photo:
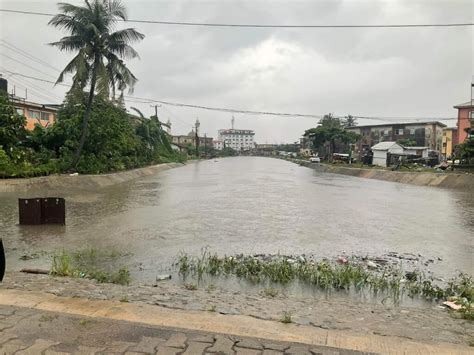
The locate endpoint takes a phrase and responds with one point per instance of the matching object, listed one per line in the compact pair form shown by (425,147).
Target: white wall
(380,158)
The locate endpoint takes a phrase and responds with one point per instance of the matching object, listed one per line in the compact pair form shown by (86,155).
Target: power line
(31,91)
(37,87)
(26,54)
(26,65)
(208,24)
(249,112)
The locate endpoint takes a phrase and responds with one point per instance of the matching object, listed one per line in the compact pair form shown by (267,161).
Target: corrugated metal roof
(392,124)
(415,148)
(384,145)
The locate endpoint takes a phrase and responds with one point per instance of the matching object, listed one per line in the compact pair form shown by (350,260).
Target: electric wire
(208,24)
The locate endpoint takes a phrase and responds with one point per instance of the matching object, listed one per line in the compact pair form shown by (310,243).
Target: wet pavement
(249,205)
(27,331)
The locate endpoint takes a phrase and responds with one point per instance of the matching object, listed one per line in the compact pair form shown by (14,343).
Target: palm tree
(100,52)
(151,130)
(350,121)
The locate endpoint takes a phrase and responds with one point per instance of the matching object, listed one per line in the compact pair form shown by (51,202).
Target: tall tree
(100,52)
(330,131)
(349,121)
(12,130)
(152,132)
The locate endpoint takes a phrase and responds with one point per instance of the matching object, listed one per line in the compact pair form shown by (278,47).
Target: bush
(114,142)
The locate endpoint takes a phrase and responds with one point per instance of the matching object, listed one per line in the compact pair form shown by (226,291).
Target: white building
(237,139)
(218,145)
(381,149)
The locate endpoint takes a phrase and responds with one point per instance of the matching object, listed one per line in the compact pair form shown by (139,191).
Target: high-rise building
(237,139)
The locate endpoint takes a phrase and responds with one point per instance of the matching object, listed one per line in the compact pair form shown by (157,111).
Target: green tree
(465,151)
(349,121)
(100,52)
(111,145)
(329,121)
(12,125)
(330,131)
(407,142)
(152,133)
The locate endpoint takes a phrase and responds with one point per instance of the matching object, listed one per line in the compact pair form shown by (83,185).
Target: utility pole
(197,136)
(156,109)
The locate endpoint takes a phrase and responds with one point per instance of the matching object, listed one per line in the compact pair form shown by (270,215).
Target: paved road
(32,331)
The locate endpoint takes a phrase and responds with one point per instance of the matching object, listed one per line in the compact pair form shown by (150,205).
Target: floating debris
(452,305)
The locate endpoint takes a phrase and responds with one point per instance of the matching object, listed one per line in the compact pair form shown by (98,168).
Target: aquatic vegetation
(326,275)
(286,318)
(270,292)
(121,277)
(190,286)
(61,265)
(87,263)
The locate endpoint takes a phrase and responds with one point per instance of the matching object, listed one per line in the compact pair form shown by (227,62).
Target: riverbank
(35,322)
(431,324)
(80,181)
(445,180)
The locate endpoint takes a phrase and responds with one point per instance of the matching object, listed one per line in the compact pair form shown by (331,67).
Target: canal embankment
(66,324)
(445,179)
(329,314)
(75,181)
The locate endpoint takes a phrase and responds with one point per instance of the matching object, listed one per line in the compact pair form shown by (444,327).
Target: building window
(20,111)
(412,131)
(45,116)
(400,132)
(385,132)
(34,114)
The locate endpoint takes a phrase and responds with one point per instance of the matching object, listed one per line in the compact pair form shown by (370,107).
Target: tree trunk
(332,148)
(85,121)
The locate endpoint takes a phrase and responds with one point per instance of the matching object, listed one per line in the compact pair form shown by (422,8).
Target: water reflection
(251,205)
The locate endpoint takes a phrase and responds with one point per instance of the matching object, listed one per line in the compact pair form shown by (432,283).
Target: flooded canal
(249,205)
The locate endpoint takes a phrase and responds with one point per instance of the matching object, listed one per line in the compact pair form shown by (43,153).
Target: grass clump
(47,318)
(89,263)
(190,286)
(62,265)
(124,299)
(327,276)
(86,322)
(270,292)
(286,318)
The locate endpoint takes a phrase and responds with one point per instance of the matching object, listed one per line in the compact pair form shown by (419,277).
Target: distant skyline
(408,72)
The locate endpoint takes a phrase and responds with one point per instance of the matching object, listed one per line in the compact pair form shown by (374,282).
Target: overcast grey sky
(363,72)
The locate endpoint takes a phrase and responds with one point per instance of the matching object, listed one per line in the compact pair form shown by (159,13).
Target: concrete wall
(80,181)
(464,122)
(447,180)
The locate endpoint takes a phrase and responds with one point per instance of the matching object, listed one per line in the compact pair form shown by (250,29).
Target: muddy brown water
(249,205)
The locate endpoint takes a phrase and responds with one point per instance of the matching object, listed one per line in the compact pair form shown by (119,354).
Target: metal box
(49,210)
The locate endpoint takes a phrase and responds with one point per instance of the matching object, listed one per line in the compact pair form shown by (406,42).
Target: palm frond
(69,43)
(117,9)
(139,112)
(77,65)
(165,140)
(123,50)
(102,79)
(126,36)
(69,23)
(122,75)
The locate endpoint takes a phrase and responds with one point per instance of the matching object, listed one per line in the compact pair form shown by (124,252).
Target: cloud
(390,72)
